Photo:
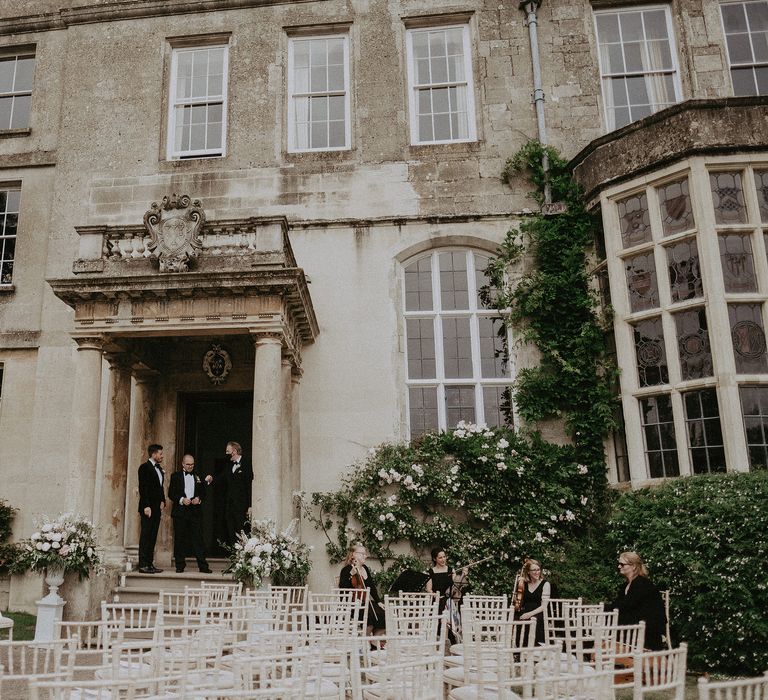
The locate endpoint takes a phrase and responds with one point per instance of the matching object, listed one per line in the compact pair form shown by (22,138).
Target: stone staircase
(134,587)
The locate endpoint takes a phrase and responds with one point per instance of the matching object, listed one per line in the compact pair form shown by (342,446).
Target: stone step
(135,587)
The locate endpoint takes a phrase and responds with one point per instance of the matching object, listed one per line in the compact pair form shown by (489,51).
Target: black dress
(641,600)
(441,583)
(531,601)
(375,608)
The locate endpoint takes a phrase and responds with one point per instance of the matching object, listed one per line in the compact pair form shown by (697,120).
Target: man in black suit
(151,506)
(186,492)
(237,499)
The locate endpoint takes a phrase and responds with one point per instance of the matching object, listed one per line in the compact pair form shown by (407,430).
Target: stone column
(267,415)
(111,519)
(286,488)
(84,426)
(142,417)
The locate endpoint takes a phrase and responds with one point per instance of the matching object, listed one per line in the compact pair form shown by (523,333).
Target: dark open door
(210,421)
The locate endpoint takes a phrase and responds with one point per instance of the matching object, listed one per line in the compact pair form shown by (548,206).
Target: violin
(519,591)
(358,581)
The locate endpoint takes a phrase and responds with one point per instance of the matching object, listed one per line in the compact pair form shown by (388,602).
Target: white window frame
(675,70)
(292,94)
(7,189)
(19,93)
(731,64)
(437,314)
(171,153)
(468,82)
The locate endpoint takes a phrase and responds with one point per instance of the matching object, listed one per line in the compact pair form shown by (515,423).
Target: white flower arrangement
(267,553)
(66,543)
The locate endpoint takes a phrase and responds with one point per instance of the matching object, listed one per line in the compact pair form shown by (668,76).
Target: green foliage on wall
(705,538)
(8,552)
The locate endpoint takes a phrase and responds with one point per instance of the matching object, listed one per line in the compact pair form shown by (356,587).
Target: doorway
(208,422)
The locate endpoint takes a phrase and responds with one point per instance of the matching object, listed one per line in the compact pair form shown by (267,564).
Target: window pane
(493,401)
(6,112)
(25,69)
(747,44)
(650,353)
(684,271)
(693,344)
(21,108)
(491,346)
(748,338)
(737,264)
(418,285)
(422,405)
(675,204)
(705,438)
(420,348)
(728,198)
(634,220)
(7,70)
(641,282)
(453,280)
(761,184)
(459,404)
(754,406)
(457,347)
(9,202)
(659,435)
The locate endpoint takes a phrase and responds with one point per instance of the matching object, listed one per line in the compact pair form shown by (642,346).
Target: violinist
(532,598)
(442,577)
(357,575)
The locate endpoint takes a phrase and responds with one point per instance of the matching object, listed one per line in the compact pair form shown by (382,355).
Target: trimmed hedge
(705,538)
(8,552)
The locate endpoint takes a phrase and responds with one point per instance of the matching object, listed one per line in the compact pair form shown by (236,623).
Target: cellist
(357,575)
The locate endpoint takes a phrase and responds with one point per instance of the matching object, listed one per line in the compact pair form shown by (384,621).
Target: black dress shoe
(146,570)
(179,571)
(155,570)
(206,571)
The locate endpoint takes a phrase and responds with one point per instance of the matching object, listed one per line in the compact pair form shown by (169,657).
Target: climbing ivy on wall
(505,493)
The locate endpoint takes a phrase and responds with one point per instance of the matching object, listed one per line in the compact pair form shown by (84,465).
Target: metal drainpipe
(538,92)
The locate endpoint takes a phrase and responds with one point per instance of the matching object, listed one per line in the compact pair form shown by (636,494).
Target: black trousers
(148,537)
(236,517)
(188,535)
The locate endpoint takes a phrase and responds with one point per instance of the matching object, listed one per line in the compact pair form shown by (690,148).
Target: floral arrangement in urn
(269,554)
(67,543)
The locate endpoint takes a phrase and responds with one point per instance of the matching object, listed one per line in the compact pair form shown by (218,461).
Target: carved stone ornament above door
(175,226)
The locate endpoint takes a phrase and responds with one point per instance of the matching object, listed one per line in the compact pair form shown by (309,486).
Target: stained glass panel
(675,206)
(634,220)
(737,262)
(684,272)
(761,183)
(650,353)
(693,344)
(641,282)
(659,434)
(748,338)
(728,197)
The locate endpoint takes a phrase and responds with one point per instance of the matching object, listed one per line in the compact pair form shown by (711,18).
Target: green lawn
(24,627)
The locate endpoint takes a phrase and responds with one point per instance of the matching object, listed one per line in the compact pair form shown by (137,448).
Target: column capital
(90,342)
(118,360)
(267,338)
(143,375)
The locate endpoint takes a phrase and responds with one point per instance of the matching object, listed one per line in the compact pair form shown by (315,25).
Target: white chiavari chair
(230,588)
(555,612)
(741,689)
(574,686)
(628,641)
(183,607)
(666,595)
(487,607)
(123,689)
(90,643)
(484,638)
(657,671)
(140,620)
(417,678)
(22,662)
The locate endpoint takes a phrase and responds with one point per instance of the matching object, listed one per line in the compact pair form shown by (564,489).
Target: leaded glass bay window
(318,110)
(705,436)
(693,344)
(641,282)
(198,102)
(440,85)
(659,435)
(737,262)
(748,337)
(684,271)
(650,353)
(638,65)
(454,347)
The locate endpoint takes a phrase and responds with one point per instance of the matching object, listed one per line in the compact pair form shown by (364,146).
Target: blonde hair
(635,561)
(351,551)
(527,564)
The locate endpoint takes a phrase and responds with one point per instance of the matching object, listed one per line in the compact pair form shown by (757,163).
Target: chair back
(742,689)
(587,685)
(657,671)
(183,606)
(140,620)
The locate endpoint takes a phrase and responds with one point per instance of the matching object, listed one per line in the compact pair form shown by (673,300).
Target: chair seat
(375,691)
(457,676)
(326,689)
(106,694)
(454,660)
(215,677)
(457,649)
(126,669)
(479,692)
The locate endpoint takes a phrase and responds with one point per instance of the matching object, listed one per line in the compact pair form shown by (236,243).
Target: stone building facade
(323,179)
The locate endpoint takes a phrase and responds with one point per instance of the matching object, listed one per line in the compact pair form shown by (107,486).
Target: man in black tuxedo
(151,506)
(237,499)
(186,492)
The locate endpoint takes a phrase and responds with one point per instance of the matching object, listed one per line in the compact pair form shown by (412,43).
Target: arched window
(453,345)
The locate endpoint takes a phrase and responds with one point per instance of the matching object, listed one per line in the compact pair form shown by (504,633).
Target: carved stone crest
(217,364)
(175,225)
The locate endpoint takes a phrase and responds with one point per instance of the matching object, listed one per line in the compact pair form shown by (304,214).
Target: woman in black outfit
(442,577)
(356,574)
(536,594)
(640,600)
